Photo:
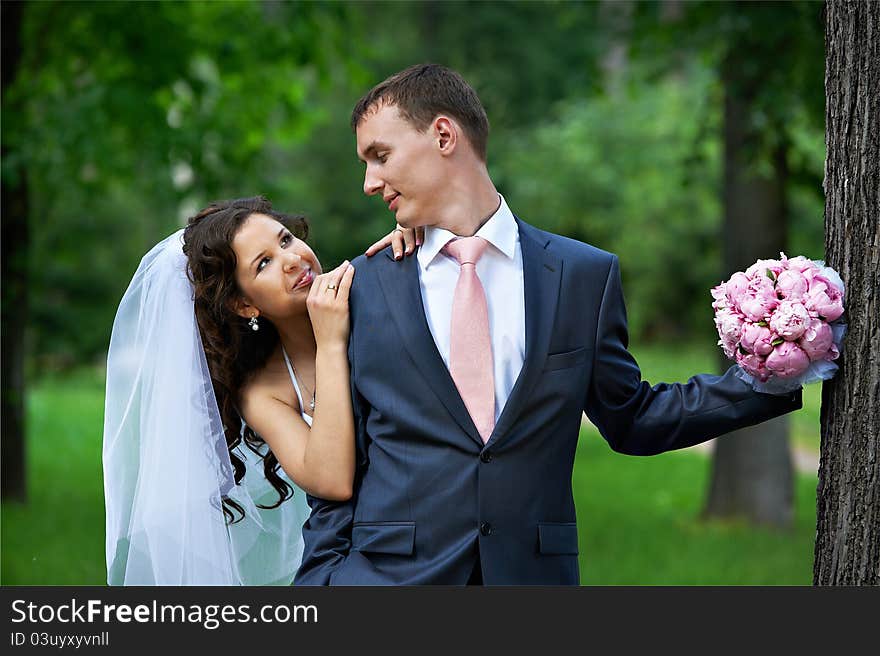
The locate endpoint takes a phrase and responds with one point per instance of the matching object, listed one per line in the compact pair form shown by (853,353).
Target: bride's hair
(233,350)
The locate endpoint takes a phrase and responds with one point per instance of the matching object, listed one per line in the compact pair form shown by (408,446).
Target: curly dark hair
(233,351)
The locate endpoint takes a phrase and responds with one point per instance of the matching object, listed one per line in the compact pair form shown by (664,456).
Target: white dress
(167,466)
(279,534)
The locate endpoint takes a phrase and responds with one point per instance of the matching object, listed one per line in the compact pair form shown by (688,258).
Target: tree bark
(848,504)
(752,473)
(14,288)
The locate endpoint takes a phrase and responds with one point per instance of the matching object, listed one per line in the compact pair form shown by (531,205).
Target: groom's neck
(472,200)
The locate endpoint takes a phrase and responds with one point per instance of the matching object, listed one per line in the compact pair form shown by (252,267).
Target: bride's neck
(298,338)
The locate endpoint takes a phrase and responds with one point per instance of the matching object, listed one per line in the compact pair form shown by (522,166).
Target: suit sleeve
(638,419)
(327,532)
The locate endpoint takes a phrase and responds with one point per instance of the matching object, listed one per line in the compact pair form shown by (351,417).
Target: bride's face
(274,269)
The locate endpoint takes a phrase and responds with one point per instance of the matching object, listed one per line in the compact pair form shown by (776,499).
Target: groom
(472,363)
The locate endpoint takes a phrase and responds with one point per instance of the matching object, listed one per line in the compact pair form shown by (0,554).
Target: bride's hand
(327,304)
(402,240)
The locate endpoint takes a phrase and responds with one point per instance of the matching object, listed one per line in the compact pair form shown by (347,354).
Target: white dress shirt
(501,274)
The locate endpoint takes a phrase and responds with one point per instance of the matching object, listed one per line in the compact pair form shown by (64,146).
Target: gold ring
(331,286)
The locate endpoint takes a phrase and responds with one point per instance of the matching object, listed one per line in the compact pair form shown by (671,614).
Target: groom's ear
(446,133)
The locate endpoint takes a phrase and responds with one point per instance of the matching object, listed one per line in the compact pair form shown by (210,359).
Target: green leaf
(777,341)
(771,275)
(763,323)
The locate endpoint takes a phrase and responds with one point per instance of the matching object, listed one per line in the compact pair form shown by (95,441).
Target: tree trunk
(848,504)
(14,287)
(752,473)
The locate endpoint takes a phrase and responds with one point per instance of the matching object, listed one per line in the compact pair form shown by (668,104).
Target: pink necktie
(470,347)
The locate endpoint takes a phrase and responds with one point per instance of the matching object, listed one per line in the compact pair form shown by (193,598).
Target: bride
(227,400)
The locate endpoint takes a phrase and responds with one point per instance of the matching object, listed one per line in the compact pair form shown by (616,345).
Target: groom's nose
(372,183)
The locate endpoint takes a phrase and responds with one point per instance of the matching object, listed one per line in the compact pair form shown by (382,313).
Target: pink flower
(824,299)
(759,299)
(791,285)
(736,286)
(761,266)
(833,353)
(787,360)
(753,364)
(729,351)
(833,279)
(719,294)
(757,339)
(799,264)
(790,320)
(729,325)
(817,340)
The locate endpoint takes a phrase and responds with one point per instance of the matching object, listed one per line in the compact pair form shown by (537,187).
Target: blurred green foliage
(128,117)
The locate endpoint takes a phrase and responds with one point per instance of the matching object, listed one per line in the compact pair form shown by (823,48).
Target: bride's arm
(319,459)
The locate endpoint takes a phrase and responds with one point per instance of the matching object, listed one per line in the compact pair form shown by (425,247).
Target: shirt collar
(500,231)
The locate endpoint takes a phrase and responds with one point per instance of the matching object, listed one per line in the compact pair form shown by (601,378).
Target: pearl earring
(253,323)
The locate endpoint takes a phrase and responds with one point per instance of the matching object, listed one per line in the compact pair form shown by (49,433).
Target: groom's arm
(327,537)
(638,419)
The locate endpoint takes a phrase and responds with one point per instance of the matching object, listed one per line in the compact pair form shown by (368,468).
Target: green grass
(639,523)
(57,537)
(638,517)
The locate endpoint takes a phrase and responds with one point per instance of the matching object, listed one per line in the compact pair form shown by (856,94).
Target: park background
(619,124)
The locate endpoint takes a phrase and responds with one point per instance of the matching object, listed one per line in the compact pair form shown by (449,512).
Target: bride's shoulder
(271,382)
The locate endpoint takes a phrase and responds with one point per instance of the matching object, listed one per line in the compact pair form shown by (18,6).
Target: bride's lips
(305,279)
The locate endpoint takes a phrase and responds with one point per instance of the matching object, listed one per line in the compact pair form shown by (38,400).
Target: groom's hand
(402,240)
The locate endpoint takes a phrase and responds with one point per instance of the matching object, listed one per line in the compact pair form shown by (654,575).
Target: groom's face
(404,166)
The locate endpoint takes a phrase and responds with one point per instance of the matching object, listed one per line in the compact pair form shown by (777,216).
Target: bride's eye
(263,263)
(286,239)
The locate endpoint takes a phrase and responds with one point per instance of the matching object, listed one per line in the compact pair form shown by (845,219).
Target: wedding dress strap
(302,407)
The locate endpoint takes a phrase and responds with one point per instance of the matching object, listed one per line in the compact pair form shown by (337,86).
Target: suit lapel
(400,285)
(542,272)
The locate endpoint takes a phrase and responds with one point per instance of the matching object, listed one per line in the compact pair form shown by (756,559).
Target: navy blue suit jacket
(428,492)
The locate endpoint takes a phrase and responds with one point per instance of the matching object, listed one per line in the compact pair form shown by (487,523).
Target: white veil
(166,463)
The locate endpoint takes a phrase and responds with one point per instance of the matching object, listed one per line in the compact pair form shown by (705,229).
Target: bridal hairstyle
(233,350)
(423,91)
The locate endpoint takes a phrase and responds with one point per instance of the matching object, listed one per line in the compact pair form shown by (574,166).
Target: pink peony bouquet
(780,321)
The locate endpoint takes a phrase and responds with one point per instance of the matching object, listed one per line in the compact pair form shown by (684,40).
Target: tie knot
(466,250)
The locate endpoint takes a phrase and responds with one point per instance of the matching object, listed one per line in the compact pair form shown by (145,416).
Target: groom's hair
(423,91)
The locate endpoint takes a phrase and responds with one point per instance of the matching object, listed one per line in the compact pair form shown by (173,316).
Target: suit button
(485,528)
(486,456)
